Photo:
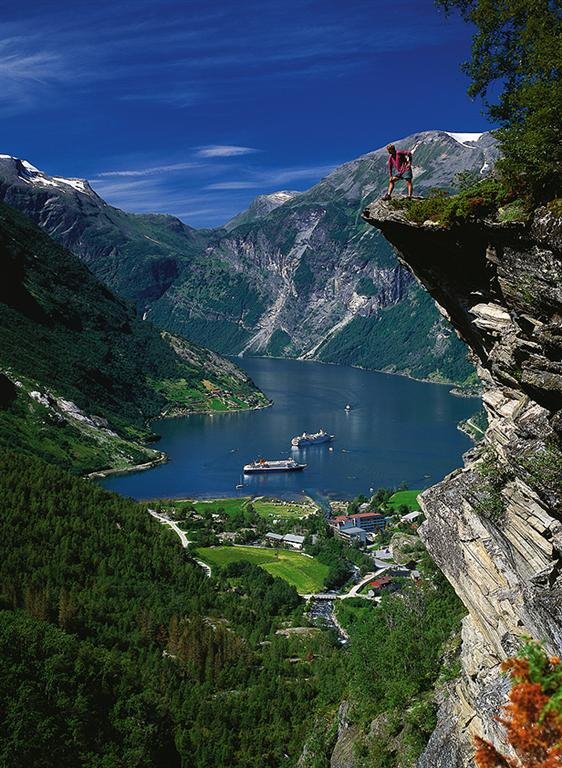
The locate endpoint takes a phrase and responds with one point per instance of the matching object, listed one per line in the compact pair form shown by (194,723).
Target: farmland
(306,574)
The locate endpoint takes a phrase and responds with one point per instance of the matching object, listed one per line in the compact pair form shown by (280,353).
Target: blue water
(398,431)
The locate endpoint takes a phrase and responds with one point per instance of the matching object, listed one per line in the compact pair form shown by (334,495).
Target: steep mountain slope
(311,279)
(260,207)
(494,527)
(304,278)
(138,256)
(80,373)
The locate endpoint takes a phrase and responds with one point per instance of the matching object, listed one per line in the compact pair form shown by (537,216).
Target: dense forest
(117,650)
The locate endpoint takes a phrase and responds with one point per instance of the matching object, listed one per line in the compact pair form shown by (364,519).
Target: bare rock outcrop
(494,527)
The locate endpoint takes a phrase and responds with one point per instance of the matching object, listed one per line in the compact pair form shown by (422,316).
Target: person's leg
(391,184)
(410,186)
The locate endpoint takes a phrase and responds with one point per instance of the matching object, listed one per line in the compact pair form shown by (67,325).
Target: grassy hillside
(304,573)
(82,373)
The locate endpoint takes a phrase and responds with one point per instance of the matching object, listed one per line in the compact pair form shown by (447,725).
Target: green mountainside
(117,650)
(137,256)
(429,349)
(80,374)
(295,275)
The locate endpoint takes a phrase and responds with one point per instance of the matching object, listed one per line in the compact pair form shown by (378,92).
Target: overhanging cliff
(494,526)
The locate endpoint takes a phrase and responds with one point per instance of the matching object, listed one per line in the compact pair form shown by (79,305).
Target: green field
(266,508)
(305,573)
(230,506)
(290,510)
(409,498)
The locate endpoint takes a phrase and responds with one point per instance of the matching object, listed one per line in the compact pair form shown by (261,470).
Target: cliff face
(494,526)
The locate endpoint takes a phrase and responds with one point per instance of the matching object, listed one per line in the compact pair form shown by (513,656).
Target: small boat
(311,438)
(240,485)
(348,407)
(266,465)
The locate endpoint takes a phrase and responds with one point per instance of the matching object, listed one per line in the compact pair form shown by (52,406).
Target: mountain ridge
(306,278)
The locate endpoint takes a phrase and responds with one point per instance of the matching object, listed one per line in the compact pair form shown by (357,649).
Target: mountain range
(298,274)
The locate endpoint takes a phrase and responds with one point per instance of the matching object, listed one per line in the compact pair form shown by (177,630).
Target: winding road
(185,542)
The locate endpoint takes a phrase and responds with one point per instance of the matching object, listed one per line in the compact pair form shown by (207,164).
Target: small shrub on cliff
(545,466)
(490,502)
(533,716)
(555,206)
(477,201)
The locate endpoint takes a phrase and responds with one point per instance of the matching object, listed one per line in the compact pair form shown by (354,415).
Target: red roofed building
(369,521)
(379,583)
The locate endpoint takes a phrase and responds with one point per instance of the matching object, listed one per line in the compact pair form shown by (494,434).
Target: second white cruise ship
(314,438)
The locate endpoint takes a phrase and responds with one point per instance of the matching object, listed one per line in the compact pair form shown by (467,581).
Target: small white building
(410,517)
(352,534)
(383,554)
(415,575)
(293,540)
(289,540)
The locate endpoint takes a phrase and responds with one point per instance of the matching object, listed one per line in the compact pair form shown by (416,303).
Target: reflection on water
(398,430)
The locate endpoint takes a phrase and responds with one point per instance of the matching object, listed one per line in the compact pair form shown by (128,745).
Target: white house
(410,517)
(293,540)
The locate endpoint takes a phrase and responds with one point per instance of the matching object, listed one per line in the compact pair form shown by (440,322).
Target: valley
(281,385)
(297,275)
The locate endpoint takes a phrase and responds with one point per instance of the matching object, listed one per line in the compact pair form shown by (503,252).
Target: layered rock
(494,526)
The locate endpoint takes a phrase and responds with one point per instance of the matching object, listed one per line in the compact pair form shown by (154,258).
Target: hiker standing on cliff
(399,167)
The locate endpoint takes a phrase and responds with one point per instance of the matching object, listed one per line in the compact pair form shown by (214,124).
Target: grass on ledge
(488,197)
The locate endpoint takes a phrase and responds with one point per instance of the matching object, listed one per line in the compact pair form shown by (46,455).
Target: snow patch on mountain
(28,173)
(79,184)
(30,167)
(261,206)
(465,138)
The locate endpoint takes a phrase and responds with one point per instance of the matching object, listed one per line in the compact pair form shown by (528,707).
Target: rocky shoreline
(163,458)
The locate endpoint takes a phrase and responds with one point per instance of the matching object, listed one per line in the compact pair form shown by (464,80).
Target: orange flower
(533,725)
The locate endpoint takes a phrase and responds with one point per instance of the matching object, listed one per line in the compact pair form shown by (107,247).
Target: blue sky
(193,108)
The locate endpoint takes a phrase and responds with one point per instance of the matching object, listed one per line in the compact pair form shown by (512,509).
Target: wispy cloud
(155,169)
(224,150)
(141,55)
(28,73)
(269,178)
(188,190)
(234,185)
(177,97)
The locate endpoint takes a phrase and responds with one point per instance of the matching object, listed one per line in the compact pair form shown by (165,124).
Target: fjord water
(398,431)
